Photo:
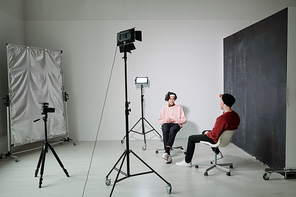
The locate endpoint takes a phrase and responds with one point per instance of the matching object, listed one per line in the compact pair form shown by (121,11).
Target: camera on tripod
(46,109)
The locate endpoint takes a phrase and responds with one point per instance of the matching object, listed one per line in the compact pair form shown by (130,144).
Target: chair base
(219,166)
(216,165)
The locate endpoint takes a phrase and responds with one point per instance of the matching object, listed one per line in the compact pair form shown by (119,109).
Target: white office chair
(223,141)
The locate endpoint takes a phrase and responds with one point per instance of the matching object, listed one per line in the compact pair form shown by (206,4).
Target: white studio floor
(17,178)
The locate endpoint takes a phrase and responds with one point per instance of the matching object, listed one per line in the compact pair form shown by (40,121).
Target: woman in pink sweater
(171,119)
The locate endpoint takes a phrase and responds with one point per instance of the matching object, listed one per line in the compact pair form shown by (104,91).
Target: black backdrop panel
(255,72)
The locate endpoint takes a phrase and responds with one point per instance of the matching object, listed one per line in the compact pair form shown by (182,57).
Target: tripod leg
(150,168)
(130,130)
(152,127)
(44,150)
(123,154)
(119,170)
(39,161)
(58,159)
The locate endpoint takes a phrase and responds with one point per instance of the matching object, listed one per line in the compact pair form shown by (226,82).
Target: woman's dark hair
(167,96)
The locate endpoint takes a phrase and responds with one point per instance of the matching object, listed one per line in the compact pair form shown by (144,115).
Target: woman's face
(172,100)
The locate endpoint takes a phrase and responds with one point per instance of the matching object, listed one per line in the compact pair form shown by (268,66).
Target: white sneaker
(184,164)
(165,156)
(169,159)
(219,156)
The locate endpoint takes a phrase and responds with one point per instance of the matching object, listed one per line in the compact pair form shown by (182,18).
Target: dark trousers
(196,139)
(169,131)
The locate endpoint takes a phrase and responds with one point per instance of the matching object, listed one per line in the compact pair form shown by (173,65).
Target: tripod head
(46,109)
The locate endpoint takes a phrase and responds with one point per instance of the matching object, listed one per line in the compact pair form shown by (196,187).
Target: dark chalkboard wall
(255,72)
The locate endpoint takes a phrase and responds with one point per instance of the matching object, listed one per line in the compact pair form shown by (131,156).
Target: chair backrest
(225,138)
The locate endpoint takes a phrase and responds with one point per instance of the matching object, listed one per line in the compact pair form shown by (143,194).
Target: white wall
(182,51)
(291,91)
(181,56)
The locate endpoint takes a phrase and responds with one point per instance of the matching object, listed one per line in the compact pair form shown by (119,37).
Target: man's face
(221,103)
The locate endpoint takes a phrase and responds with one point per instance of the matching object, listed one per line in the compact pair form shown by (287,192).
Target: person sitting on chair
(229,120)
(171,119)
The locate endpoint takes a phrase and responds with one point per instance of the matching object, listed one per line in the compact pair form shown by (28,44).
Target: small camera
(47,109)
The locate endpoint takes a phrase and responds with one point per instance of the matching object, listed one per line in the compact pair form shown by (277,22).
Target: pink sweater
(175,112)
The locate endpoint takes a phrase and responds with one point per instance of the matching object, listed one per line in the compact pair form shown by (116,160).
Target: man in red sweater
(229,120)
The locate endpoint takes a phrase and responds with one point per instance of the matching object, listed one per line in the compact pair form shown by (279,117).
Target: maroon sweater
(227,121)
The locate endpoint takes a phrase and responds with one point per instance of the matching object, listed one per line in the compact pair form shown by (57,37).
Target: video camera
(47,109)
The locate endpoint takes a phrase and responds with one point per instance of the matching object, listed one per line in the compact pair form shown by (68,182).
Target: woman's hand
(169,120)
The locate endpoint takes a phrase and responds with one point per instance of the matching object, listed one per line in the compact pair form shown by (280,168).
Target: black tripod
(142,119)
(45,147)
(126,153)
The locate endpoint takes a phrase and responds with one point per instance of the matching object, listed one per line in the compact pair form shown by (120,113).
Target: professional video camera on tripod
(45,110)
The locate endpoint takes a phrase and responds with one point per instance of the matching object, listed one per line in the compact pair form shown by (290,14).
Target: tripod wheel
(266,176)
(108,181)
(169,188)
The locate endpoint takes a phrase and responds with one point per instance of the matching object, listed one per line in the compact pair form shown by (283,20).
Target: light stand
(8,154)
(141,81)
(67,139)
(44,150)
(127,48)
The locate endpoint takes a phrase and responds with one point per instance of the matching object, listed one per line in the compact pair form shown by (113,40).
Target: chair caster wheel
(206,174)
(231,166)
(228,173)
(156,151)
(196,166)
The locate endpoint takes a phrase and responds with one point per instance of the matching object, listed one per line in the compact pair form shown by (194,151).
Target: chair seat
(210,144)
